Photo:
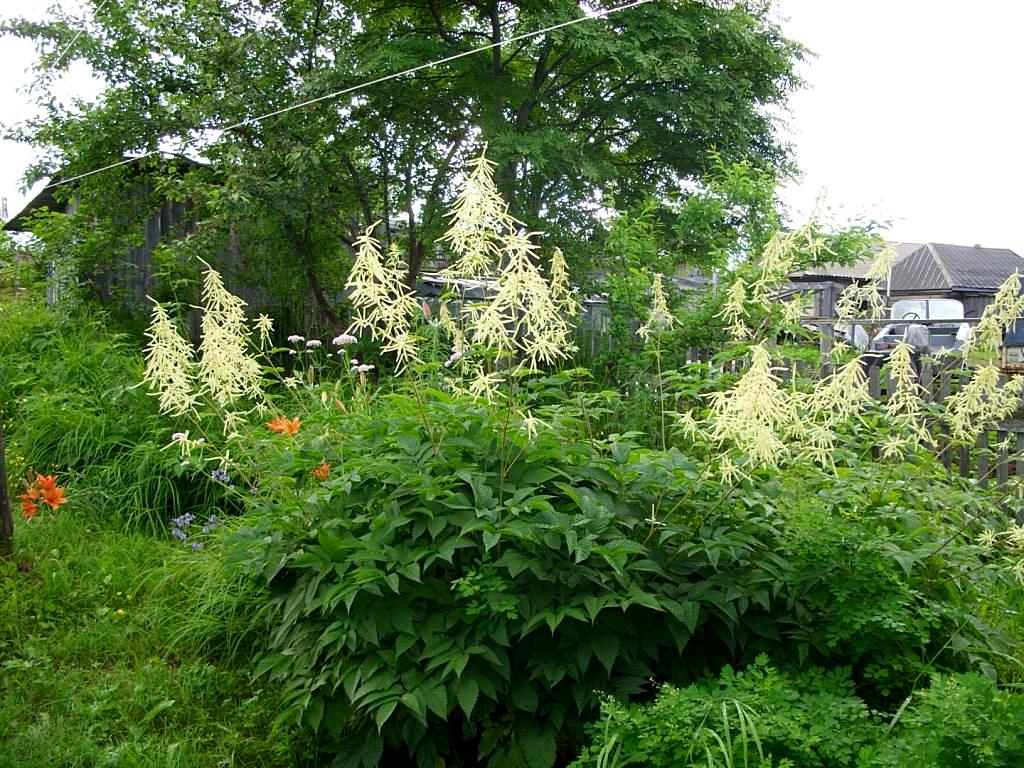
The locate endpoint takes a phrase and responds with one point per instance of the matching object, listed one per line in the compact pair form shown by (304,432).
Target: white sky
(912,114)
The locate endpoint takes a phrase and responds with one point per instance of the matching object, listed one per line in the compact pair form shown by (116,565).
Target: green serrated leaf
(436,698)
(467,692)
(537,743)
(606,648)
(491,540)
(383,713)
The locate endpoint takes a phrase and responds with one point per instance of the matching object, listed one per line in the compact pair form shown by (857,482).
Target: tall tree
(637,102)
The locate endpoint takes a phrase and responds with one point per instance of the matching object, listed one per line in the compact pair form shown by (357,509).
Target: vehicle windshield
(927,309)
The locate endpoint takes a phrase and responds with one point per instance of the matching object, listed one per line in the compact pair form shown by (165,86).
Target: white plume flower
(226,369)
(169,365)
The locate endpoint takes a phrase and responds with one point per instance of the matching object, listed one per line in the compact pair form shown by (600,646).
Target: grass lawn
(94,670)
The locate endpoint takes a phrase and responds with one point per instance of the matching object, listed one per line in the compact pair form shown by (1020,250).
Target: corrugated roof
(940,267)
(47,199)
(859,268)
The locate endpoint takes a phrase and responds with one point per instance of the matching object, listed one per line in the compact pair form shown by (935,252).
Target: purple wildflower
(184,521)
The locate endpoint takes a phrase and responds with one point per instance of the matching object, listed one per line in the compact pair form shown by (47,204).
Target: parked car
(945,335)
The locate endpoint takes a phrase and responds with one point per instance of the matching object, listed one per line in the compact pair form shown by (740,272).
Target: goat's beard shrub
(463,587)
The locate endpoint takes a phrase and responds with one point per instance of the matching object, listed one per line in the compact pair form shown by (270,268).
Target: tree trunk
(6,518)
(322,302)
(416,251)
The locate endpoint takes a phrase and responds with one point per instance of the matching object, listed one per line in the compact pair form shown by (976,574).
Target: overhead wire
(60,56)
(366,84)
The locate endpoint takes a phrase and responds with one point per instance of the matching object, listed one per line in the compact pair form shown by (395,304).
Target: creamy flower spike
(522,318)
(169,366)
(226,370)
(479,217)
(756,413)
(868,293)
(734,310)
(982,402)
(384,304)
(660,318)
(526,316)
(1006,307)
(561,293)
(265,327)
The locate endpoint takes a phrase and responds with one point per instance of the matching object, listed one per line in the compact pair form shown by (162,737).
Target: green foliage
(86,675)
(732,216)
(73,405)
(459,588)
(813,718)
(877,573)
(755,717)
(961,720)
(637,100)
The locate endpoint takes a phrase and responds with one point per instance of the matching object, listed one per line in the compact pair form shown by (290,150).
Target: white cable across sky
(366,84)
(58,60)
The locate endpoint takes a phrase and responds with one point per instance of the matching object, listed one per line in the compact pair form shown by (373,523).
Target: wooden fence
(996,456)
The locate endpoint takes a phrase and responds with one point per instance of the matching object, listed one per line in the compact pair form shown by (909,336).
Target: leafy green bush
(459,587)
(959,721)
(763,717)
(878,572)
(755,717)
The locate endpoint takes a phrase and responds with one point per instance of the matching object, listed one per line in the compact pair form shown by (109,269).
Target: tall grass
(69,390)
(93,671)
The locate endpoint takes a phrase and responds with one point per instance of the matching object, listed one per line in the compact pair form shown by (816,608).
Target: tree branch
(435,14)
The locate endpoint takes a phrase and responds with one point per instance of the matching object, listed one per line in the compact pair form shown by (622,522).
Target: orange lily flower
(54,497)
(46,482)
(40,487)
(285,426)
(29,508)
(321,472)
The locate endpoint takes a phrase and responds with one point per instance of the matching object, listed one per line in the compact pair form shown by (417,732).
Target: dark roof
(856,270)
(938,267)
(46,198)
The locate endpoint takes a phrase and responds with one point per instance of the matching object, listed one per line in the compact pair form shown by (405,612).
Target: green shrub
(960,721)
(756,717)
(459,588)
(762,717)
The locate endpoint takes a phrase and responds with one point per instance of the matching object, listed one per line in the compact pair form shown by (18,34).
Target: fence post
(1003,459)
(983,459)
(825,333)
(927,379)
